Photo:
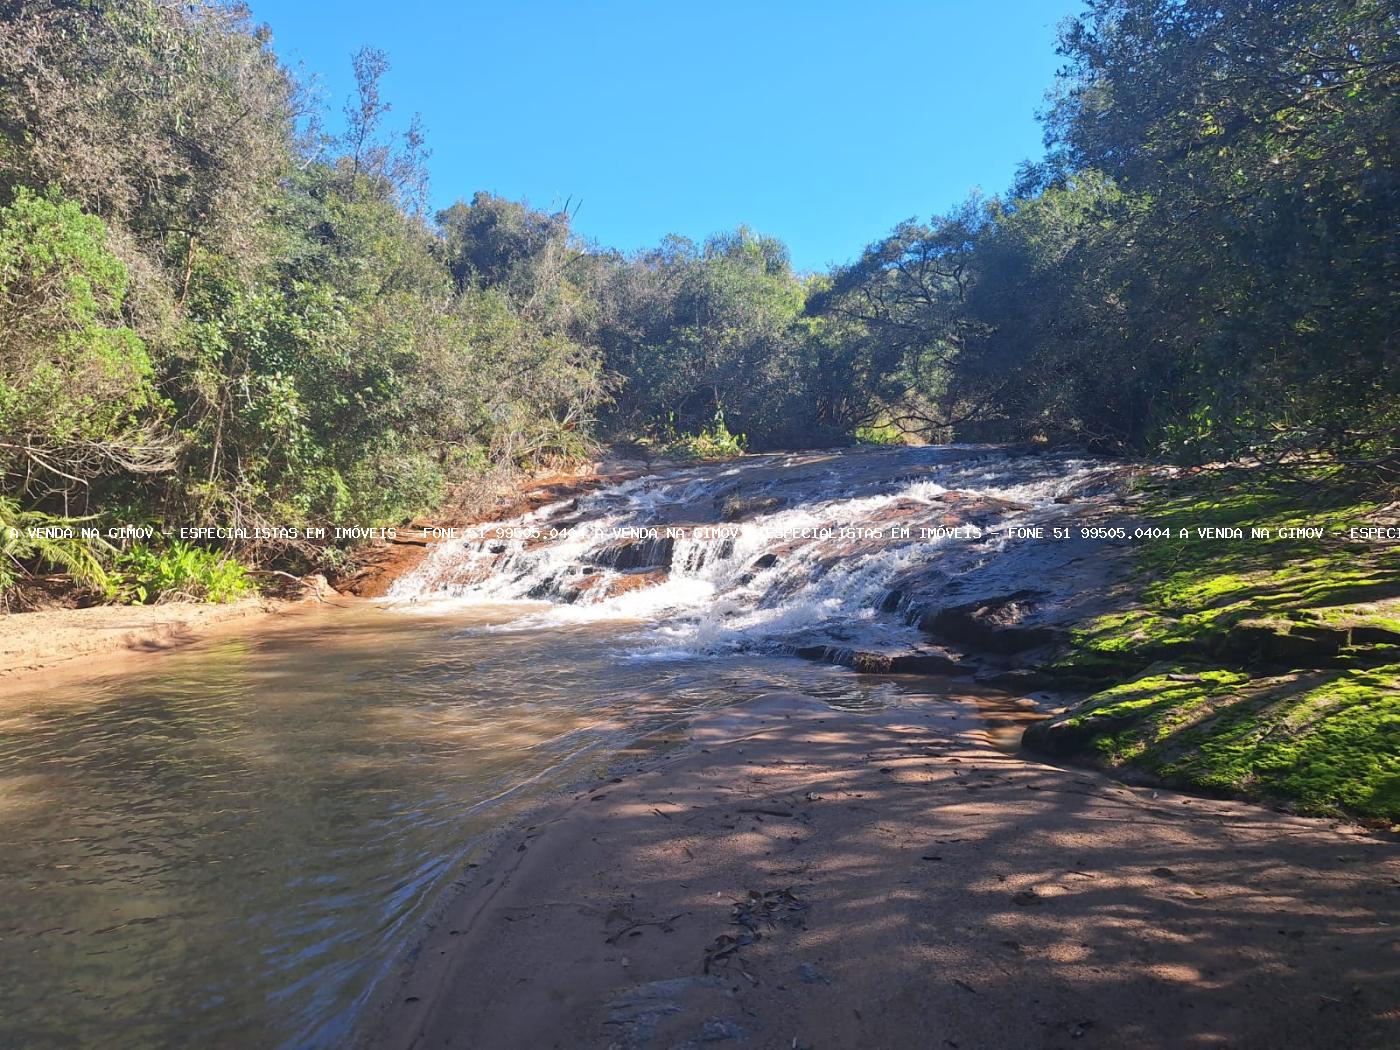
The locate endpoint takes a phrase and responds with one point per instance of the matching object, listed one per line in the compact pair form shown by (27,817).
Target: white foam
(714,598)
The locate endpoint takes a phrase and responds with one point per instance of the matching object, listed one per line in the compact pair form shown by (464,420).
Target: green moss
(1157,702)
(1334,746)
(1328,741)
(1196,591)
(1296,646)
(1353,616)
(1122,632)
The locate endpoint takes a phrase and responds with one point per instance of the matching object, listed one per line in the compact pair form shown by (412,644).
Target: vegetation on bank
(216,312)
(139,573)
(143,575)
(712,442)
(1268,668)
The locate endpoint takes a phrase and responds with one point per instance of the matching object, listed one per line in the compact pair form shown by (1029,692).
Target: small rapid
(766,554)
(230,844)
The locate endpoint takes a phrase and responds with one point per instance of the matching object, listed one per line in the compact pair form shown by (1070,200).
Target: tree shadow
(954,895)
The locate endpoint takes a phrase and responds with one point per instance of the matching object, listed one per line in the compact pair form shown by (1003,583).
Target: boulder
(613,585)
(911,661)
(1281,643)
(636,554)
(736,508)
(994,625)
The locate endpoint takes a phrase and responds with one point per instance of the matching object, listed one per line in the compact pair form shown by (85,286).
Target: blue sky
(821,123)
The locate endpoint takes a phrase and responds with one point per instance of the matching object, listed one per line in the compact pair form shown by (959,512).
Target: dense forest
(215,311)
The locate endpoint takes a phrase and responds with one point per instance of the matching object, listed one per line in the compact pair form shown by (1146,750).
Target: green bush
(76,393)
(879,434)
(146,575)
(713,442)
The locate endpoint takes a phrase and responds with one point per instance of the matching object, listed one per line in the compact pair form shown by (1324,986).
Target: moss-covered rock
(993,625)
(1147,707)
(1260,668)
(1328,741)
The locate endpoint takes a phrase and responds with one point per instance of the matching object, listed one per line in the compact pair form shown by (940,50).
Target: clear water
(226,846)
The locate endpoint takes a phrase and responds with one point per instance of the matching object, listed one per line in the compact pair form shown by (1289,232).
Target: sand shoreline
(106,638)
(55,641)
(915,886)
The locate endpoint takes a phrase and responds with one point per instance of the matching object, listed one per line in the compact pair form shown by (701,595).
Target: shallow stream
(226,845)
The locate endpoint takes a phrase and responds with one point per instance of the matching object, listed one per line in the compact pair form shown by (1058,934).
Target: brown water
(225,846)
(228,845)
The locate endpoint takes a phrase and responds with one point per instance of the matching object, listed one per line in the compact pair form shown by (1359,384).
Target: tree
(908,296)
(701,330)
(171,121)
(493,242)
(77,400)
(1258,143)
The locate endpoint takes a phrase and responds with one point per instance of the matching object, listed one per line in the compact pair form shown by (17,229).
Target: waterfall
(768,552)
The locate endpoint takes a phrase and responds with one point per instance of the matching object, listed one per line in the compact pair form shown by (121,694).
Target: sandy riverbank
(53,640)
(64,640)
(915,887)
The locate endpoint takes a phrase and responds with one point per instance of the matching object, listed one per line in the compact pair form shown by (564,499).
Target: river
(228,845)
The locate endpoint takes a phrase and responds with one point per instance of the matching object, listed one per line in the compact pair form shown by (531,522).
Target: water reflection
(224,847)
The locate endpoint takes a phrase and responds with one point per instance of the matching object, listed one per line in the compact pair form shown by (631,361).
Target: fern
(29,537)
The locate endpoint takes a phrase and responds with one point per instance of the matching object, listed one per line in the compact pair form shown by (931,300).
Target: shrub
(146,575)
(76,390)
(879,434)
(30,537)
(713,442)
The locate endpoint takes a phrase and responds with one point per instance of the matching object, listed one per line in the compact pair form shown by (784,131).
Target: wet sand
(65,640)
(802,877)
(69,640)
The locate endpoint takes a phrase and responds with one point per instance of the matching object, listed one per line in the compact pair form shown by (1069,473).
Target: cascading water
(775,552)
(229,845)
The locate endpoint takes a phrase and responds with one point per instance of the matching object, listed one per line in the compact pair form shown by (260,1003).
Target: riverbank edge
(534,945)
(56,641)
(52,643)
(390,1012)
(487,856)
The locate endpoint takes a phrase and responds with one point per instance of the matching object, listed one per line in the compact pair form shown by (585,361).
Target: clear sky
(822,123)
